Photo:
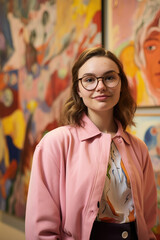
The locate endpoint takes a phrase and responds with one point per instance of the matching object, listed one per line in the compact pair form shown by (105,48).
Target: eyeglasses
(110,79)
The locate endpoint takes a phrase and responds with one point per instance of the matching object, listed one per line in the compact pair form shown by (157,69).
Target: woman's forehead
(98,65)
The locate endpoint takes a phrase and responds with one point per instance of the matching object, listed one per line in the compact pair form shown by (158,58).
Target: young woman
(91,179)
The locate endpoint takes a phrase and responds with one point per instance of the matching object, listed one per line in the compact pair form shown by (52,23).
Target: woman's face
(152,55)
(101,99)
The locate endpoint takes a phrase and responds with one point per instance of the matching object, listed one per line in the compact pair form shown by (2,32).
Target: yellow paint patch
(14,126)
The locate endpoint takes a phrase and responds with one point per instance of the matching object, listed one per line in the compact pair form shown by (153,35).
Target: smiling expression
(101,99)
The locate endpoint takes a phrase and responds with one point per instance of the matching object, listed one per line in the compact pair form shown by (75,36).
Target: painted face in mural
(147,53)
(151,51)
(102,99)
(152,55)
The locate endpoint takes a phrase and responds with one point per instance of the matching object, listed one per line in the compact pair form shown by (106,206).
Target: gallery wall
(39,42)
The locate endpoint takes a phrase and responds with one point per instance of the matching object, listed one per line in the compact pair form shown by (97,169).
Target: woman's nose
(100,84)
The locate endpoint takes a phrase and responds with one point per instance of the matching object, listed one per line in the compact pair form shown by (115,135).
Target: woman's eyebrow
(111,71)
(93,74)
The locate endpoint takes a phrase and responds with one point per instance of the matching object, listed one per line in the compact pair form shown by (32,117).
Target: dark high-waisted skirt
(113,231)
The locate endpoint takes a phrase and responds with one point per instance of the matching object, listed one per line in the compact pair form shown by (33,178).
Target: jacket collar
(89,130)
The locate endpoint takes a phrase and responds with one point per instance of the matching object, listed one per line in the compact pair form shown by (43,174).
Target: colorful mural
(39,40)
(134,35)
(148,129)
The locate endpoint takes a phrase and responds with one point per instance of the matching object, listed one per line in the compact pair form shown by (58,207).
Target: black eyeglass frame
(102,77)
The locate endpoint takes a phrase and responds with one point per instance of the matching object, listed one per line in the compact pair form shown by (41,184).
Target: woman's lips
(101,97)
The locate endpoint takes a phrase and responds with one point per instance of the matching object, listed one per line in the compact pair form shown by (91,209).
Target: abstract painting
(134,35)
(39,41)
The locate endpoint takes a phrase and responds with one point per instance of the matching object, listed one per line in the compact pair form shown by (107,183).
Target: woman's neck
(104,121)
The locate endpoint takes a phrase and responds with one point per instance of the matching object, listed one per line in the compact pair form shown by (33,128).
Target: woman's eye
(109,78)
(90,79)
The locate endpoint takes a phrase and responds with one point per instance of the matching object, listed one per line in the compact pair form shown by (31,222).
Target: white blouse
(116,204)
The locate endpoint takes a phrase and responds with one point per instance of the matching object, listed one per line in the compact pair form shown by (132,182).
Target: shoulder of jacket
(58,135)
(140,149)
(136,141)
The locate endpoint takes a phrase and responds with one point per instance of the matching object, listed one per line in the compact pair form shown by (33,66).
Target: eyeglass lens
(90,82)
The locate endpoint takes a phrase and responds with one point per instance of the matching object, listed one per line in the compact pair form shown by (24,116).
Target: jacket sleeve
(43,215)
(149,194)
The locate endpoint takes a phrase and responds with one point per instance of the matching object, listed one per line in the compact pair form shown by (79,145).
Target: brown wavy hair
(74,107)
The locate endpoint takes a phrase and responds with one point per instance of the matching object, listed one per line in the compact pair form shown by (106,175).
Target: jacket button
(124,234)
(119,140)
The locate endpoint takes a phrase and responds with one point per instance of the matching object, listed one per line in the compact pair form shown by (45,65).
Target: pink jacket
(67,179)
